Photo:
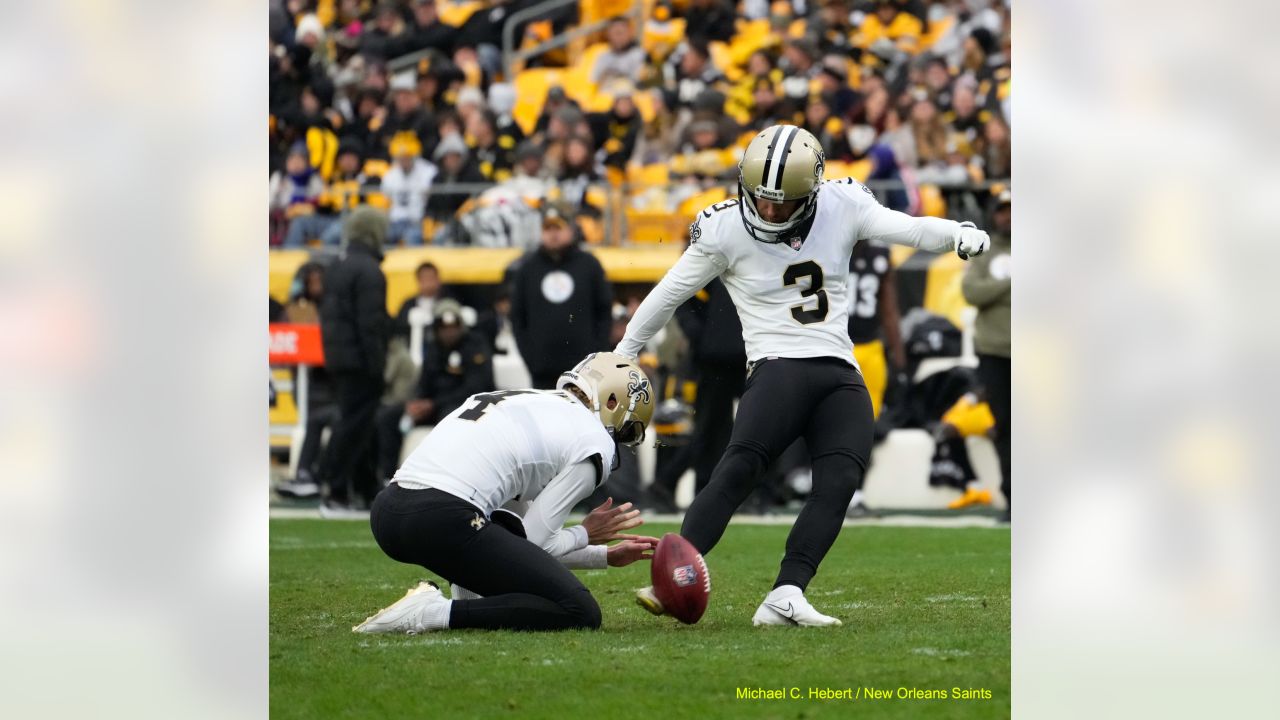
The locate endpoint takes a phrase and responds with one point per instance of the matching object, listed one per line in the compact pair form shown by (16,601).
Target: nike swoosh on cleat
(788,613)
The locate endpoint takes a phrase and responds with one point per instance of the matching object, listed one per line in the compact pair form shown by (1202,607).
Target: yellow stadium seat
(592,229)
(577,79)
(429,227)
(942,294)
(697,202)
(596,196)
(860,170)
(664,38)
(649,175)
(931,201)
(722,58)
(937,28)
(457,13)
(752,35)
(837,169)
(531,92)
(285,412)
(591,11)
(598,102)
(655,227)
(644,103)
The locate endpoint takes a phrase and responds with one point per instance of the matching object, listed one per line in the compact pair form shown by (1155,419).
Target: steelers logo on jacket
(557,286)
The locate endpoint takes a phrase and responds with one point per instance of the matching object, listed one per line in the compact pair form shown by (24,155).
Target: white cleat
(647,600)
(421,609)
(766,615)
(786,605)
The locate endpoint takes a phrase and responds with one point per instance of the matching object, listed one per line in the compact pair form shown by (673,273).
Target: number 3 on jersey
(813,271)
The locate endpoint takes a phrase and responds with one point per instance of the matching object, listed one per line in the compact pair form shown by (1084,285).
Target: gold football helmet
(782,163)
(617,390)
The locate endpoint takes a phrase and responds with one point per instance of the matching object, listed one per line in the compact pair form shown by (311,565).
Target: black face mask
(631,433)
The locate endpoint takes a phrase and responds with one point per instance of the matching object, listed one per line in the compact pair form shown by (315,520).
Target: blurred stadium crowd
(609,122)
(632,113)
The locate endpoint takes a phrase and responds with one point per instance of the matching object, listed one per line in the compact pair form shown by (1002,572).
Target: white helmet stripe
(783,140)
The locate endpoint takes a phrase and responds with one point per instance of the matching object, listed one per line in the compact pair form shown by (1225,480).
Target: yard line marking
(324,545)
(952,598)
(935,652)
(895,520)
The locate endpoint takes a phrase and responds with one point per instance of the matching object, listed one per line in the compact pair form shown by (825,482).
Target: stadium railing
(643,214)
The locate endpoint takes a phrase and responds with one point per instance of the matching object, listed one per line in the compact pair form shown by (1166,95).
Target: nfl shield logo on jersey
(796,242)
(684,575)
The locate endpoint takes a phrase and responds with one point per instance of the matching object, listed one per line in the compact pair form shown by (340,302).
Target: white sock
(438,619)
(782,592)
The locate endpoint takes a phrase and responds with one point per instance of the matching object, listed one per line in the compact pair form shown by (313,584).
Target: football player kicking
(542,451)
(782,249)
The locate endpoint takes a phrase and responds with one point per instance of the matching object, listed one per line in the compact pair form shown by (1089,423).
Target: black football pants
(823,400)
(348,465)
(524,588)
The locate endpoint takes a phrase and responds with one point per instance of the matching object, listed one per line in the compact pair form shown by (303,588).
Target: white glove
(971,242)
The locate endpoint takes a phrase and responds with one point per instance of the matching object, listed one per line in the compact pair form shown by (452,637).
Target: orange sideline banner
(295,344)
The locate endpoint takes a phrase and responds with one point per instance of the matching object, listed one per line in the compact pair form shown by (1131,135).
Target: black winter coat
(558,320)
(450,379)
(354,326)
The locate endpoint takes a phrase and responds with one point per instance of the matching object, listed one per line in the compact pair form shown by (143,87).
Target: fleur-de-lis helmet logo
(638,387)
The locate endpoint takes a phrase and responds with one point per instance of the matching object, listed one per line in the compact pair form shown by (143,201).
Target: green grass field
(923,608)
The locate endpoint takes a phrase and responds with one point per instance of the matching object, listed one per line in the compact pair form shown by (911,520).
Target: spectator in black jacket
(406,116)
(710,19)
(457,364)
(426,31)
(354,329)
(560,301)
(453,158)
(616,131)
(383,39)
(710,322)
(430,292)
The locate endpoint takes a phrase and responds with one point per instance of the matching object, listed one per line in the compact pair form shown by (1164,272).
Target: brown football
(680,579)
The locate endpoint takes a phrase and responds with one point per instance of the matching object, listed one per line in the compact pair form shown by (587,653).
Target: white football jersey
(793,301)
(506,446)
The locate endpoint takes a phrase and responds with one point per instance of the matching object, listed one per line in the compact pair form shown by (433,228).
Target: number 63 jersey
(792,299)
(507,445)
